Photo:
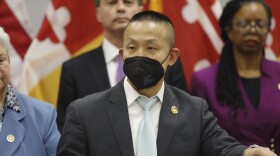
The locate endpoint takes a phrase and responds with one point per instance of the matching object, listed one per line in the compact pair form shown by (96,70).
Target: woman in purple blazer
(243,89)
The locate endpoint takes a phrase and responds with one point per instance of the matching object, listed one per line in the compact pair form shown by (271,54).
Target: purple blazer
(259,126)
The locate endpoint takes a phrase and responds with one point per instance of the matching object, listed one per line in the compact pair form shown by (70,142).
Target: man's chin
(120,25)
(118,30)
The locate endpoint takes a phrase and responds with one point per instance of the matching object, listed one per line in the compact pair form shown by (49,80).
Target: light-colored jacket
(30,132)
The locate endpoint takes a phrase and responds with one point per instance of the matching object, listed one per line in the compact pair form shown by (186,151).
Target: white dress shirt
(136,113)
(111,54)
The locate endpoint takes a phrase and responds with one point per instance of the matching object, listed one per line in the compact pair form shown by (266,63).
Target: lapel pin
(10,138)
(174,110)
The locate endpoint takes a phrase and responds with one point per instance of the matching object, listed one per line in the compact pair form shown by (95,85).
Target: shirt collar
(132,94)
(10,102)
(11,99)
(110,51)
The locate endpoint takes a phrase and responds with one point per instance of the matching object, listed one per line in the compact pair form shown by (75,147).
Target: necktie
(147,145)
(120,73)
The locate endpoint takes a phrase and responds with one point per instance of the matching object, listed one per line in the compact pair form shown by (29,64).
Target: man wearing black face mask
(141,115)
(143,72)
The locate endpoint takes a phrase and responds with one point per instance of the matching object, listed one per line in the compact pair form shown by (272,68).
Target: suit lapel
(118,115)
(13,128)
(167,122)
(98,70)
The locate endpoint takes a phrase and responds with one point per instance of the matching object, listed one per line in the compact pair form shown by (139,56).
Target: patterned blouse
(11,102)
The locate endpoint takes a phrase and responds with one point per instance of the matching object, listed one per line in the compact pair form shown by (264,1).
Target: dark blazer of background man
(87,74)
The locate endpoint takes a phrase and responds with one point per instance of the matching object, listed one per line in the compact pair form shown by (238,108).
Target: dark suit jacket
(87,74)
(98,125)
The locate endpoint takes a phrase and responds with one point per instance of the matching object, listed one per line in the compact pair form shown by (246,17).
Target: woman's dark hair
(227,89)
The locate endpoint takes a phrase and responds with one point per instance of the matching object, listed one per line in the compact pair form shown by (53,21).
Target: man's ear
(174,54)
(121,52)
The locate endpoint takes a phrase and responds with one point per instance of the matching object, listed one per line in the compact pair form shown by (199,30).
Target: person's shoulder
(272,67)
(185,97)
(211,70)
(93,100)
(39,116)
(83,57)
(274,64)
(98,100)
(205,76)
(34,107)
(187,102)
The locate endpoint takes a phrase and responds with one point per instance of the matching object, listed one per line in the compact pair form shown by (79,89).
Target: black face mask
(143,72)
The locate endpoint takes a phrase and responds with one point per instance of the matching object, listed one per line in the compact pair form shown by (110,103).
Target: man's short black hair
(151,16)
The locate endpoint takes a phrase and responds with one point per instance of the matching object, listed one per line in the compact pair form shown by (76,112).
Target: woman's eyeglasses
(245,26)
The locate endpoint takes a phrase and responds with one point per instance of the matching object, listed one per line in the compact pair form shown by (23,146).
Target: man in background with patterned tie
(101,68)
(142,115)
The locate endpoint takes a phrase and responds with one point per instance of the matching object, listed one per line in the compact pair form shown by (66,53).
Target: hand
(258,151)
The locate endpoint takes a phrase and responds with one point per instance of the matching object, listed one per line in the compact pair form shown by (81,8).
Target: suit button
(10,138)
(272,144)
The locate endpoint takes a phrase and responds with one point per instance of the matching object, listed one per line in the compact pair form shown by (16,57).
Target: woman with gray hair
(27,125)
